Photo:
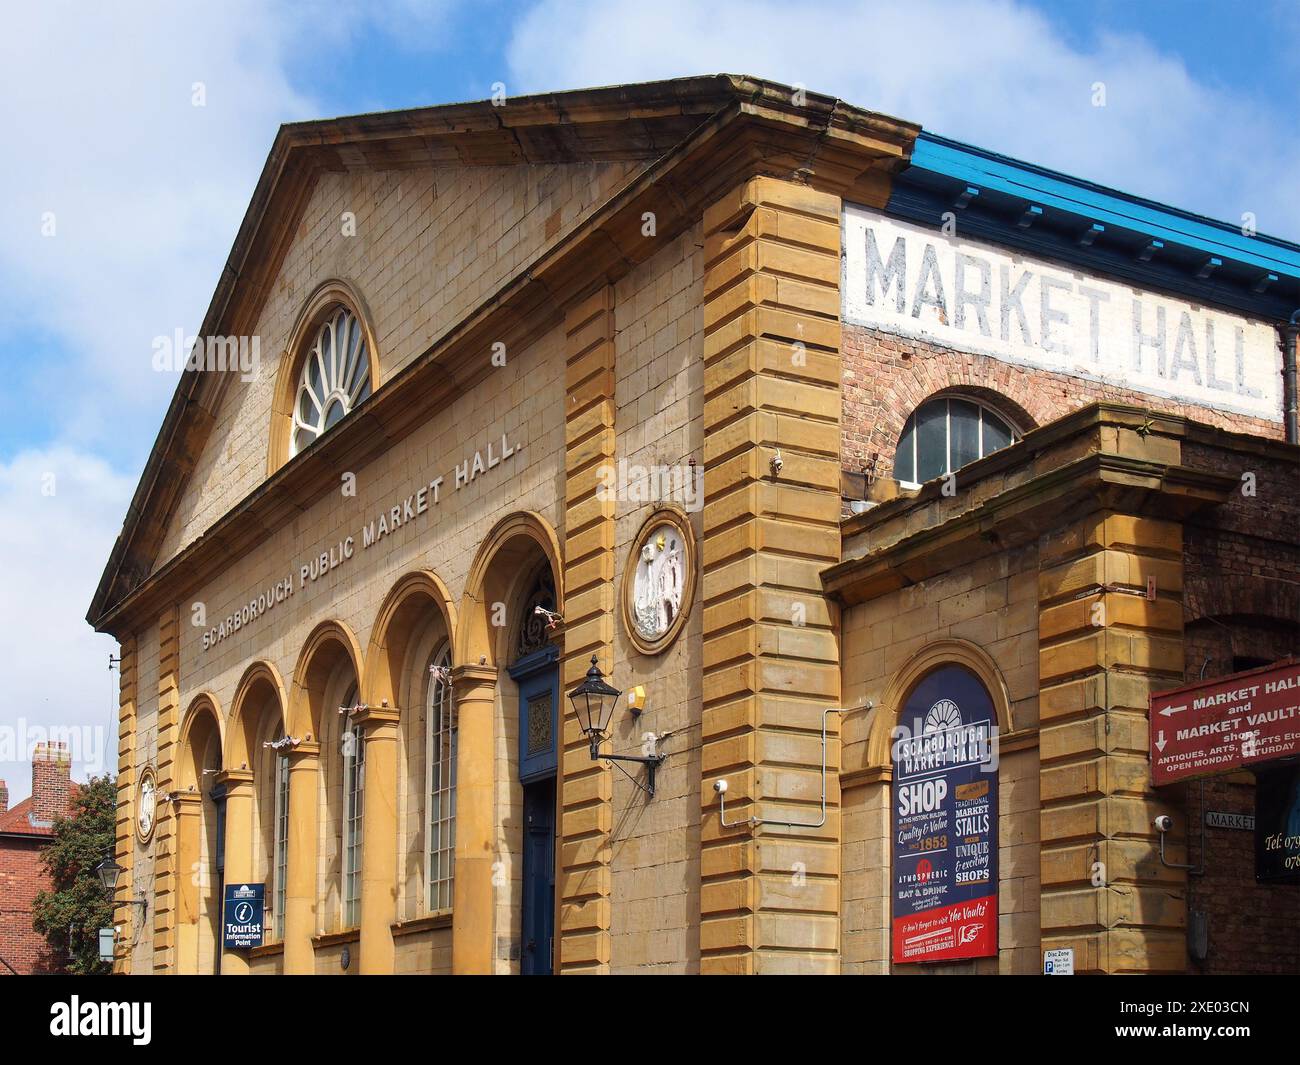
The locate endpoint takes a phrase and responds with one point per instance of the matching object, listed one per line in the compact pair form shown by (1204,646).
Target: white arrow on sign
(1170,711)
(1161,741)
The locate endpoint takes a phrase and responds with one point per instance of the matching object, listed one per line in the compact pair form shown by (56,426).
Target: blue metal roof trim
(943,174)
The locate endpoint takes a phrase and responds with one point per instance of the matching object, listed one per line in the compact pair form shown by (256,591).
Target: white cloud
(61,511)
(990,72)
(144,189)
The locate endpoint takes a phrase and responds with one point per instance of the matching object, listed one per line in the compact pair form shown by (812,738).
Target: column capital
(308,750)
(186,802)
(474,675)
(235,780)
(376,718)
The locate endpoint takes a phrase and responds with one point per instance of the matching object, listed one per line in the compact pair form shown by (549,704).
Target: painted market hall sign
(378,526)
(945,821)
(977,297)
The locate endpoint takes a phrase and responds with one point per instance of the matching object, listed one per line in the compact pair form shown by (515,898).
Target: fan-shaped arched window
(946,433)
(335,377)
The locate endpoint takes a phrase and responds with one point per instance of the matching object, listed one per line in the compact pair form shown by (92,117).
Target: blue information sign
(242,915)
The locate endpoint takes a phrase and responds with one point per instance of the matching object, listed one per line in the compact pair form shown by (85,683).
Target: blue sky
(127,197)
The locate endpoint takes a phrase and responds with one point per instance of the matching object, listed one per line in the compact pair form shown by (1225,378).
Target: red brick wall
(20,879)
(886,377)
(1242,607)
(52,785)
(21,872)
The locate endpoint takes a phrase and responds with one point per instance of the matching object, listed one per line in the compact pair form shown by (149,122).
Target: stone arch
(939,653)
(196,836)
(493,578)
(326,647)
(257,688)
(200,728)
(1243,596)
(403,612)
(327,295)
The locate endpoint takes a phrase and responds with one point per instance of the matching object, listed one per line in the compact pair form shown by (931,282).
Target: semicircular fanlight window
(335,378)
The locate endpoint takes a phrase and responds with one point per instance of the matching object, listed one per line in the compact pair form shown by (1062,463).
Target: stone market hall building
(886,476)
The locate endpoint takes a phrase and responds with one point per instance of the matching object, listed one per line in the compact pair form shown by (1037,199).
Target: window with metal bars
(441,782)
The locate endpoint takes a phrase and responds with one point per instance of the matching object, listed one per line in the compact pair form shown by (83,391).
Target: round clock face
(146,805)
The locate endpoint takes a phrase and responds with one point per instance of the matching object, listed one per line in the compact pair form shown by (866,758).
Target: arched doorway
(535,671)
(505,586)
(200,811)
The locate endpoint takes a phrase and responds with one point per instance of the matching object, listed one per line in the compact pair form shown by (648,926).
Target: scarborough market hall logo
(943,715)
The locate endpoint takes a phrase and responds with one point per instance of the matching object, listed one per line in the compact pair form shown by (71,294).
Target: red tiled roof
(18,820)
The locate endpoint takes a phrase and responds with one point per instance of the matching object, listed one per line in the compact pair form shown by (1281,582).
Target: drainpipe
(1289,332)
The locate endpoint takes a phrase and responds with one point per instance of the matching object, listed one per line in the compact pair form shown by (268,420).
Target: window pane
(904,458)
(997,434)
(964,424)
(932,440)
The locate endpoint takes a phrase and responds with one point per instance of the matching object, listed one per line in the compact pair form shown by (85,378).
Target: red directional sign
(1231,723)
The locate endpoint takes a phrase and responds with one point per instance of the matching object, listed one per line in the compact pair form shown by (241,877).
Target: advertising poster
(945,821)
(1277,825)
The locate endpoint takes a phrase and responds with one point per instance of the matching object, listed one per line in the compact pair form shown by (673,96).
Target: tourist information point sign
(1239,722)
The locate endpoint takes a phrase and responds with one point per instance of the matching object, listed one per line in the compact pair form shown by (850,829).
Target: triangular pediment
(428,188)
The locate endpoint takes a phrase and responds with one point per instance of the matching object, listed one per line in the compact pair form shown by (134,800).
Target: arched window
(354,792)
(946,433)
(441,784)
(335,378)
(280,875)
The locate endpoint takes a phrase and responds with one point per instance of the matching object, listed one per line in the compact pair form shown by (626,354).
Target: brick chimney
(51,783)
(4,796)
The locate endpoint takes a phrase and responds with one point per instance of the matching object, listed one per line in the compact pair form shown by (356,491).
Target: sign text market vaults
(1232,723)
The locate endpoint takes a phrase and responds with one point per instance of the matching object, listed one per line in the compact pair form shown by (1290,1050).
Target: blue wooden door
(539,878)
(538,678)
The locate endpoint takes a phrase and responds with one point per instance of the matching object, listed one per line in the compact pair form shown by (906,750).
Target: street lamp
(593,701)
(108,872)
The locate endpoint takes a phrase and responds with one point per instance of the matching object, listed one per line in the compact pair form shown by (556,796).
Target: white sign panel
(1058,962)
(979,298)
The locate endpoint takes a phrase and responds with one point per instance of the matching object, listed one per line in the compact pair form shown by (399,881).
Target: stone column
(124,847)
(379,838)
(187,821)
(169,872)
(1104,647)
(472,929)
(238,849)
(302,859)
(769,897)
(584,880)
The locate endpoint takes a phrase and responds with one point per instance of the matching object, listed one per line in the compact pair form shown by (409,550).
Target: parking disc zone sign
(1058,962)
(242,915)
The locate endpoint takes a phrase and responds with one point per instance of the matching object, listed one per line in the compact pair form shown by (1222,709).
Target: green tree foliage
(71,915)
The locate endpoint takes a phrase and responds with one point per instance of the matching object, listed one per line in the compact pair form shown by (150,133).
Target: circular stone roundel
(146,804)
(658,581)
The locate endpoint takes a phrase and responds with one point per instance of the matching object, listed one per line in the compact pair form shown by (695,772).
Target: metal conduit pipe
(1289,332)
(720,786)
